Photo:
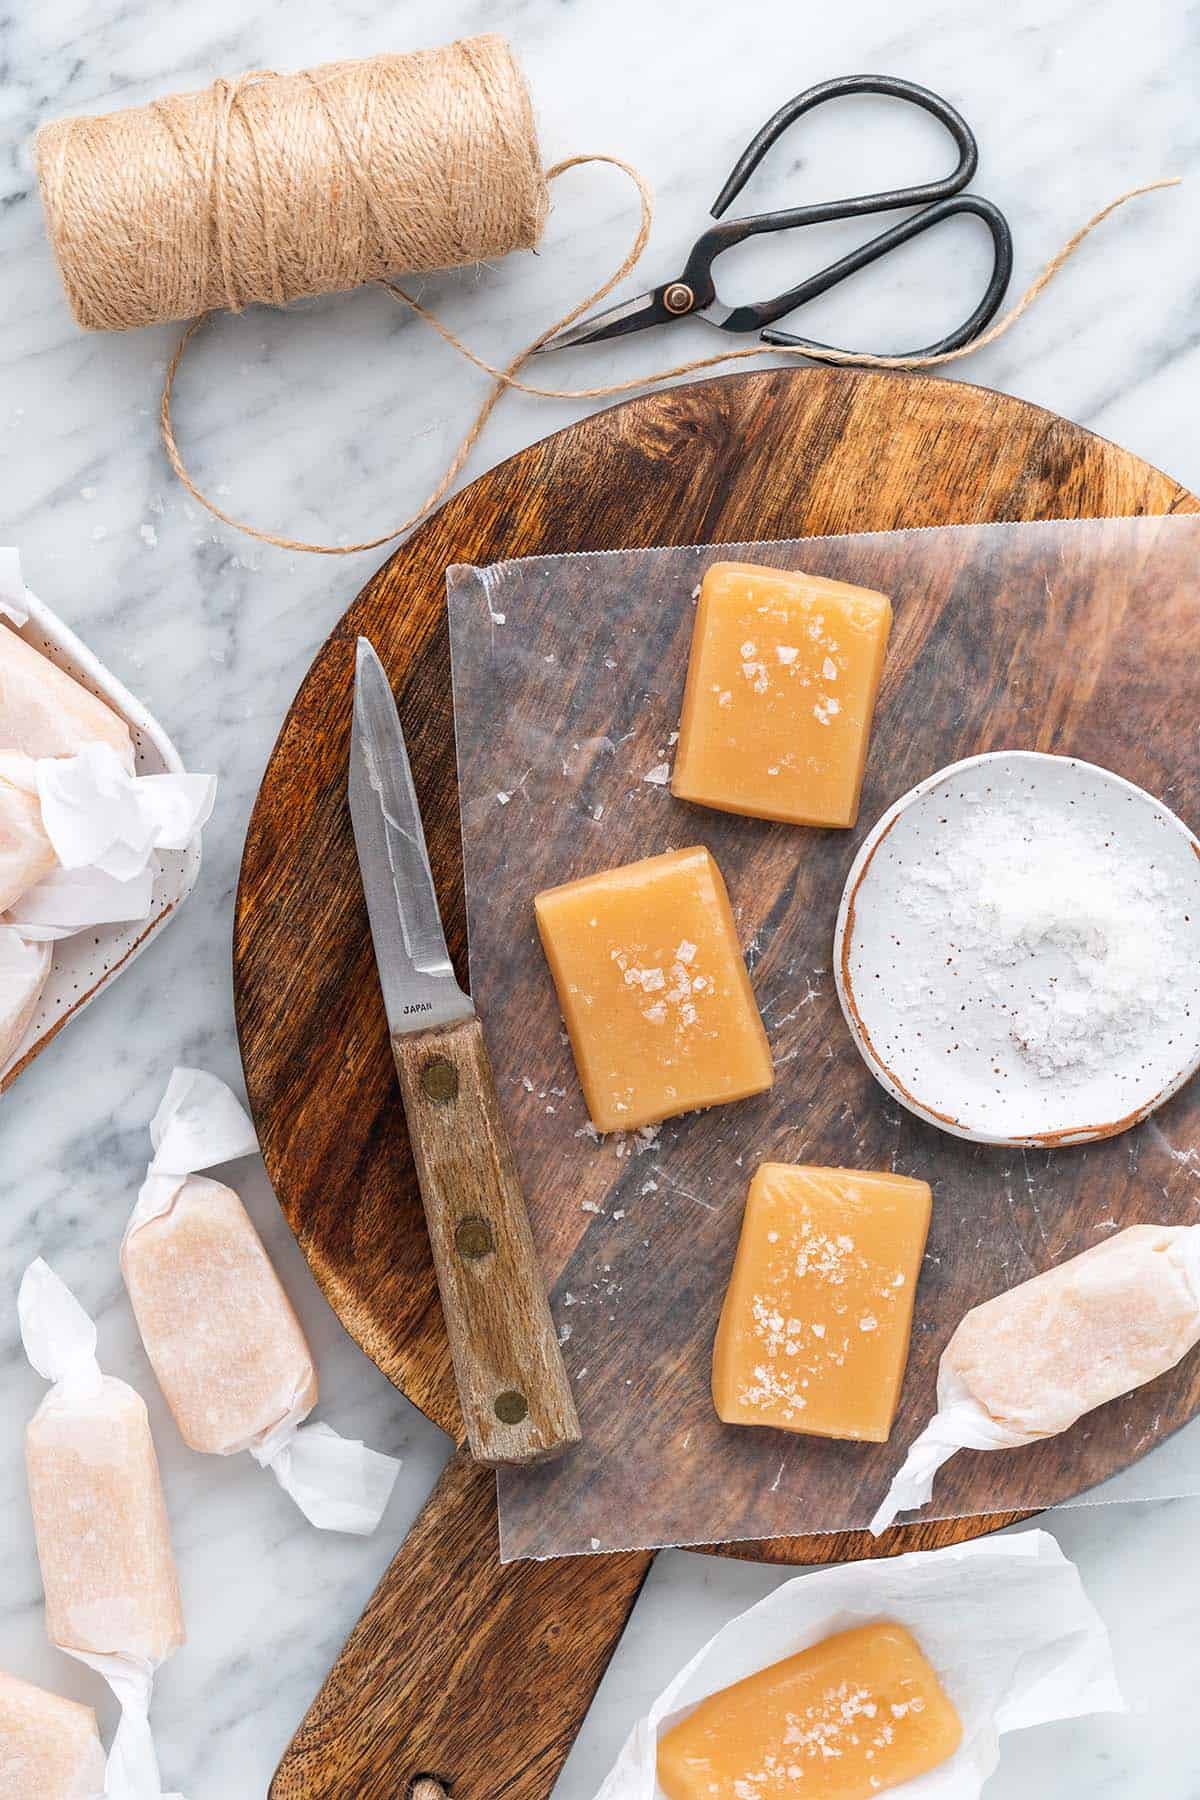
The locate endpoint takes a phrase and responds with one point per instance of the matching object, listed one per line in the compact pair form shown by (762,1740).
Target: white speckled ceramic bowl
(85,964)
(945,1031)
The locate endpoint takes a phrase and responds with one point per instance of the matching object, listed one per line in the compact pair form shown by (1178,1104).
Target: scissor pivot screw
(679,298)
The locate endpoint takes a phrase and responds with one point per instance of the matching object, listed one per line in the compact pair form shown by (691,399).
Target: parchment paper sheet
(568,677)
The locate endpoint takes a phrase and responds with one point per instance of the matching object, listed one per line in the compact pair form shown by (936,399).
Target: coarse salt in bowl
(1017,951)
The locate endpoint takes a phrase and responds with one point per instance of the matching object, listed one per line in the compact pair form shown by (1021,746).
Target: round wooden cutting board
(781,454)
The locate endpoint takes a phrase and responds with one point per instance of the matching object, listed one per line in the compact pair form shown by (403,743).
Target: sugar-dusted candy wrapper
(206,1254)
(102,826)
(1031,1361)
(43,710)
(26,853)
(78,827)
(1005,1623)
(24,967)
(100,1521)
(49,1747)
(220,1332)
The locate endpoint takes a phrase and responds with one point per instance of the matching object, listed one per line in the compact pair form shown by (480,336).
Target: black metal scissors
(694,291)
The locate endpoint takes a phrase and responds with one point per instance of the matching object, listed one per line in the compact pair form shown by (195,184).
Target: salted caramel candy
(46,712)
(221,1334)
(781,685)
(814,1331)
(848,1718)
(653,989)
(49,1747)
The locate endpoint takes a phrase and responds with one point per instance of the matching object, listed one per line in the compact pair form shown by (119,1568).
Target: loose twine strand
(269,188)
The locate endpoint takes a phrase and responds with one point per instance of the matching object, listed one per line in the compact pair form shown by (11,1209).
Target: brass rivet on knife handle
(510,1407)
(439,1080)
(516,1399)
(473,1238)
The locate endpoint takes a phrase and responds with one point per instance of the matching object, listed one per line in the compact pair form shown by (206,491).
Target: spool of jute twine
(269,188)
(273,187)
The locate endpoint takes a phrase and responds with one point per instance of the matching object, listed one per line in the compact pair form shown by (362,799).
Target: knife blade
(516,1399)
(419,985)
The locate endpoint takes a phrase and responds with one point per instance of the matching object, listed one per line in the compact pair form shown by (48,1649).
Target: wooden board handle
(464,1671)
(516,1399)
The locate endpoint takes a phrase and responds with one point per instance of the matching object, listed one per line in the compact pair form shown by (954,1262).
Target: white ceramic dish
(84,965)
(987,1052)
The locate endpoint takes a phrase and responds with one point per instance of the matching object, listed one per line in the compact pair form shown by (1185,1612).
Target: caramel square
(815,1327)
(781,685)
(655,995)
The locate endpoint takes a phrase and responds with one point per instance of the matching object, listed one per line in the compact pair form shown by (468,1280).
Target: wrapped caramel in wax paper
(26,853)
(43,710)
(49,1747)
(220,1332)
(78,835)
(103,1542)
(24,967)
(1029,1362)
(78,826)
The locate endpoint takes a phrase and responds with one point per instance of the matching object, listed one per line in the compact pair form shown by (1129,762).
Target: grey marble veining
(338,418)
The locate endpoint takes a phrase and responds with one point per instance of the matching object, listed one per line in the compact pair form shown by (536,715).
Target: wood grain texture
(512,1387)
(784,453)
(464,1669)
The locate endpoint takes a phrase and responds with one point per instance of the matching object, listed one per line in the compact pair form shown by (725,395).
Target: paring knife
(515,1396)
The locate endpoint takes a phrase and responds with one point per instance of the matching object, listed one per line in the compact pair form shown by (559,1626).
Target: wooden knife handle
(473,1674)
(516,1399)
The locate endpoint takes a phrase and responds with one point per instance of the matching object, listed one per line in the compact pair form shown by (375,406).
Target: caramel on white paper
(1005,1623)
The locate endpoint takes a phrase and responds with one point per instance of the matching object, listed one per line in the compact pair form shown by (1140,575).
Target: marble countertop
(335,420)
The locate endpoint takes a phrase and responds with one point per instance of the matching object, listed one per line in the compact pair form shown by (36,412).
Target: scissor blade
(614,321)
(415,971)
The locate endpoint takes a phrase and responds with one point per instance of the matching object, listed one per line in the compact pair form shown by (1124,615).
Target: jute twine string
(269,188)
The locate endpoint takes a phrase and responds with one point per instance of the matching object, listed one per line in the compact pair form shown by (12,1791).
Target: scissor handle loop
(920,194)
(984,312)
